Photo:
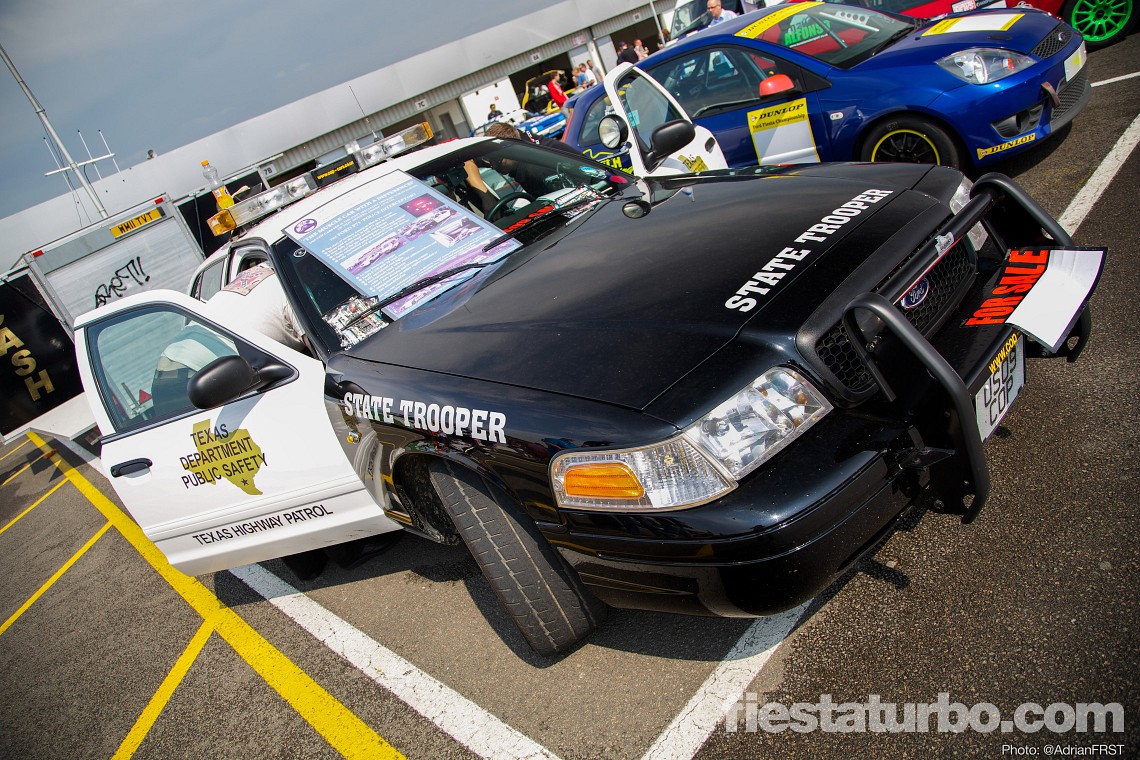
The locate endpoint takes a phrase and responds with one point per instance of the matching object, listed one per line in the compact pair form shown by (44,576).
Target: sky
(158,75)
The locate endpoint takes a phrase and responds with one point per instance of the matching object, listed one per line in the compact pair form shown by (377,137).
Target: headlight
(985,65)
(704,461)
(749,428)
(961,197)
(667,475)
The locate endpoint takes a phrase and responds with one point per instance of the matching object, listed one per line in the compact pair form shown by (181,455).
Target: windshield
(505,180)
(505,185)
(839,35)
(686,16)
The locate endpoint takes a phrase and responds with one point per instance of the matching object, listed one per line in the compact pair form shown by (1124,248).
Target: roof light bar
(401,142)
(281,196)
(262,204)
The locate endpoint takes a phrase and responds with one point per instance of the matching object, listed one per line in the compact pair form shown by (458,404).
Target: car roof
(270,227)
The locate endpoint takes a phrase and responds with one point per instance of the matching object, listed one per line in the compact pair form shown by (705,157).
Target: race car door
(259,477)
(645,106)
(762,109)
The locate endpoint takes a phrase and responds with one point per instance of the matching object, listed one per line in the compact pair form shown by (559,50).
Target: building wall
(426,85)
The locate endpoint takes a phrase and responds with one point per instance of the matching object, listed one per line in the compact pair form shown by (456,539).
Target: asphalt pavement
(104,652)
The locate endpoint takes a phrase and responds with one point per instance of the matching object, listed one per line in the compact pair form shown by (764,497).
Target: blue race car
(816,81)
(550,125)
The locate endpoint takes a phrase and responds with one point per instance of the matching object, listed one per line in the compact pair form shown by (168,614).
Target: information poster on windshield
(393,232)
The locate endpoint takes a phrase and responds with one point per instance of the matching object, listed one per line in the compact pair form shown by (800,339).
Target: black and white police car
(707,393)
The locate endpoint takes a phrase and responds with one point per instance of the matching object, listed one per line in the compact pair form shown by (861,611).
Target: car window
(645,107)
(839,35)
(249,260)
(599,108)
(143,359)
(209,281)
(714,78)
(504,180)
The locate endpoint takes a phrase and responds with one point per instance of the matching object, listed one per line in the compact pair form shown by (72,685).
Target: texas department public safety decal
(222,454)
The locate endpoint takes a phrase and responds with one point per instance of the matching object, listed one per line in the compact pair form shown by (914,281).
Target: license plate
(1074,62)
(1007,377)
(133,224)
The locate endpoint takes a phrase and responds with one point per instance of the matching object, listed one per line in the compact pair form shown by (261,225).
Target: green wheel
(1101,22)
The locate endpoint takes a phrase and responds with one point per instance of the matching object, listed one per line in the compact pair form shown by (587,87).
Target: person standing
(625,53)
(554,87)
(717,13)
(641,50)
(586,77)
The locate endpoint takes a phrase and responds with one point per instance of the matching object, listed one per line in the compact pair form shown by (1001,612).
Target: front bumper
(1015,114)
(793,526)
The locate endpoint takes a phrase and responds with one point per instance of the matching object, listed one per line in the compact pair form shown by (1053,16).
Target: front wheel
(1100,22)
(912,140)
(544,597)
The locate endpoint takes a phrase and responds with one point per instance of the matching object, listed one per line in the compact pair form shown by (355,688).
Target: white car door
(645,105)
(260,477)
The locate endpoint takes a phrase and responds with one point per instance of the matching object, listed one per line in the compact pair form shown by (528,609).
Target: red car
(1101,22)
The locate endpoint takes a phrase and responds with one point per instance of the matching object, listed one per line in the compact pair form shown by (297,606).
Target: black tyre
(1100,22)
(910,139)
(544,597)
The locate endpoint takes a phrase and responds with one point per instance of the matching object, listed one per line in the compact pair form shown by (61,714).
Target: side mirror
(613,131)
(668,138)
(776,84)
(230,377)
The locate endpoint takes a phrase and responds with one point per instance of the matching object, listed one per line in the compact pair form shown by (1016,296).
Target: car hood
(1016,29)
(617,309)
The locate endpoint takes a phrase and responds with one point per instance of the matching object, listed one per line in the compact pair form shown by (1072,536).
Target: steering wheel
(500,208)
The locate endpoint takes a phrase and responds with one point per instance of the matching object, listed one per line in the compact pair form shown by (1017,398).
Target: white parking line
(463,720)
(488,736)
(688,732)
(1091,191)
(1103,82)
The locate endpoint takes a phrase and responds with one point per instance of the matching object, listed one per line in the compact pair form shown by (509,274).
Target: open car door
(256,473)
(650,123)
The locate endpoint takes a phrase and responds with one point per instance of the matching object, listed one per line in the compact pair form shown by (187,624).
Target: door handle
(127,468)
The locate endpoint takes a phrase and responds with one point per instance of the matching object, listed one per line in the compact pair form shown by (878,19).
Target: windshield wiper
(415,287)
(893,39)
(547,213)
(430,280)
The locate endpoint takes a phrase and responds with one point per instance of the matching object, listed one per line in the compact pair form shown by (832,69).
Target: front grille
(839,356)
(1054,41)
(1071,94)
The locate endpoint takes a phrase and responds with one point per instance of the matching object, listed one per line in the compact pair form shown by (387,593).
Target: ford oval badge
(916,295)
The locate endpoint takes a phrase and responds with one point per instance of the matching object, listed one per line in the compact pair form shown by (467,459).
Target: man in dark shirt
(626,54)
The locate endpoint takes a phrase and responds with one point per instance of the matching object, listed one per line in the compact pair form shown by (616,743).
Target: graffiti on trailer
(130,272)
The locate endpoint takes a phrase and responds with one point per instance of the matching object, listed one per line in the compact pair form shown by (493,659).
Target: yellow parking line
(339,726)
(14,474)
(51,581)
(13,521)
(47,452)
(23,443)
(165,691)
